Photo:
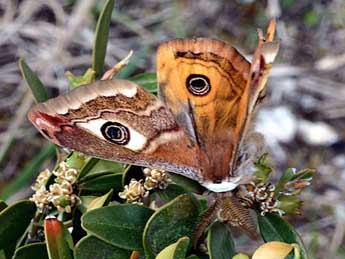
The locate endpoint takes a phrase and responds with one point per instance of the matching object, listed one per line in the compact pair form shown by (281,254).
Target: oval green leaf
(103,183)
(177,250)
(146,80)
(58,239)
(33,82)
(171,192)
(101,37)
(91,247)
(275,228)
(187,183)
(96,167)
(89,164)
(100,201)
(36,250)
(220,242)
(120,225)
(14,220)
(171,222)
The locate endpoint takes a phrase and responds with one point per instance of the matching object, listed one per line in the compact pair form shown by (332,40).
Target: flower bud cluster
(60,193)
(136,191)
(261,195)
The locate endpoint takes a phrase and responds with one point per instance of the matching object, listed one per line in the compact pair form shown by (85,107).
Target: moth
(207,92)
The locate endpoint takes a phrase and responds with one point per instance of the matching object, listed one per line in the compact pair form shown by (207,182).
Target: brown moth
(207,92)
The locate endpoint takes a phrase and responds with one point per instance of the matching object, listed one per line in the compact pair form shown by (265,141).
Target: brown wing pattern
(75,120)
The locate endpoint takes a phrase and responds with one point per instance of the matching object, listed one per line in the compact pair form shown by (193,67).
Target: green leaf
(146,80)
(91,247)
(120,225)
(171,222)
(29,172)
(58,239)
(8,252)
(262,169)
(220,242)
(102,183)
(76,160)
(14,220)
(101,37)
(290,177)
(85,202)
(100,201)
(177,250)
(92,161)
(275,228)
(3,205)
(290,204)
(287,175)
(304,174)
(33,82)
(75,81)
(96,167)
(31,251)
(171,192)
(187,183)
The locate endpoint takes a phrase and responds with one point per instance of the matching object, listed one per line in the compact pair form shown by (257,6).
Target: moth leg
(229,209)
(206,219)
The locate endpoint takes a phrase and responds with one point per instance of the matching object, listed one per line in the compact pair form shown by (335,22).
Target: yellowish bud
(273,250)
(240,256)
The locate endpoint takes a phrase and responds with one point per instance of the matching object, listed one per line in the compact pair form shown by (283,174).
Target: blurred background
(302,118)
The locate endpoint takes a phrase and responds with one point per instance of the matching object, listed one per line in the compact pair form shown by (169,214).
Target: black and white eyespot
(198,84)
(115,132)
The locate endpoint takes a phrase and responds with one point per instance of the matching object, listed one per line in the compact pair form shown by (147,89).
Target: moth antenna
(206,219)
(232,211)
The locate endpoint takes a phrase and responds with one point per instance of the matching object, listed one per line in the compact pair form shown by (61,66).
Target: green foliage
(262,169)
(91,247)
(35,250)
(111,224)
(220,242)
(172,221)
(146,80)
(177,250)
(14,221)
(3,205)
(274,228)
(101,38)
(33,82)
(75,81)
(105,225)
(102,183)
